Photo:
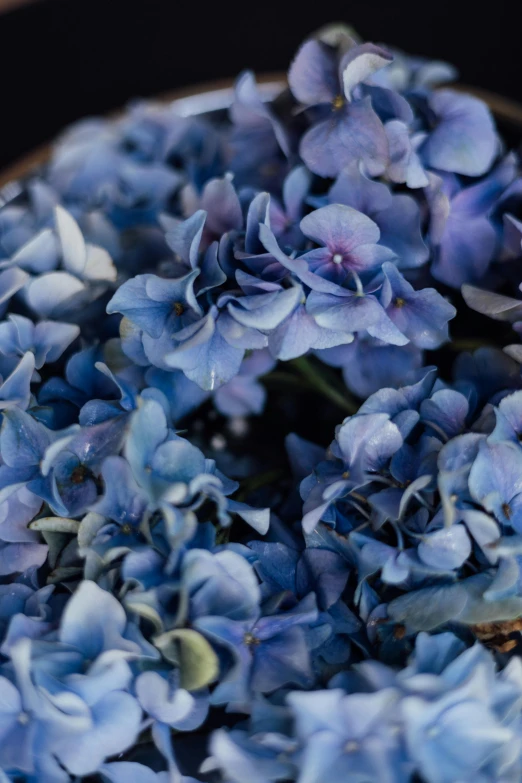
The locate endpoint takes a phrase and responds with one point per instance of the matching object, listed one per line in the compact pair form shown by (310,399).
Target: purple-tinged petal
(211,273)
(295,190)
(23,440)
(421,315)
(184,237)
(465,252)
(122,500)
(367,442)
(405,166)
(258,212)
(250,112)
(440,207)
(328,573)
(464,140)
(389,104)
(356,190)
(304,613)
(282,660)
(206,357)
(446,410)
(368,365)
(19,557)
(240,336)
(497,306)
(339,228)
(512,235)
(296,265)
(221,203)
(508,417)
(266,311)
(313,76)
(352,134)
(495,481)
(300,332)
(479,199)
(352,313)
(400,227)
(348,313)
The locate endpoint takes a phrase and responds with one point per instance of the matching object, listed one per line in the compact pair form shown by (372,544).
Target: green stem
(468,345)
(256,482)
(317,381)
(278,378)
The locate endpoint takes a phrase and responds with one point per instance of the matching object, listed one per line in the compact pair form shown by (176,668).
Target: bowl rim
(214,95)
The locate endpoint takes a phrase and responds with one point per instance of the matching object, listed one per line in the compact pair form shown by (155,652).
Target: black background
(64,59)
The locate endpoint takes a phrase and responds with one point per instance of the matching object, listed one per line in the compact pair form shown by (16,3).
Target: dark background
(64,59)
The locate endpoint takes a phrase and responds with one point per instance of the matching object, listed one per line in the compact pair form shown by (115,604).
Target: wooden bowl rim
(219,94)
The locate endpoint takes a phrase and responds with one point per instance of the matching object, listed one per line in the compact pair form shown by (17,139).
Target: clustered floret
(342,613)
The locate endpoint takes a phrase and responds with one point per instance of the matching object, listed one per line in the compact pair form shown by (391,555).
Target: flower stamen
(250,640)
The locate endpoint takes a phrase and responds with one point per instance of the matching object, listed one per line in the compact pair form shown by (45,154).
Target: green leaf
(145,610)
(64,574)
(55,525)
(56,543)
(188,649)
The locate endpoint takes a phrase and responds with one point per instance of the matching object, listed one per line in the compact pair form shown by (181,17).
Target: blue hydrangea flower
(47,340)
(326,614)
(268,652)
(397,215)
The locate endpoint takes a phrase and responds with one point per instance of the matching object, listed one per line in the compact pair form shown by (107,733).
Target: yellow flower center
(250,640)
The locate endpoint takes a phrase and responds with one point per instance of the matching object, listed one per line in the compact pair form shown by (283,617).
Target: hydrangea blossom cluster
(194,586)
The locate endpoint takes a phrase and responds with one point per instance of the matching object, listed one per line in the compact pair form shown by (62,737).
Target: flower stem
(317,380)
(253,483)
(468,345)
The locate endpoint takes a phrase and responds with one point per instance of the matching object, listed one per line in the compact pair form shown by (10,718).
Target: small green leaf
(189,650)
(55,525)
(56,543)
(144,610)
(64,574)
